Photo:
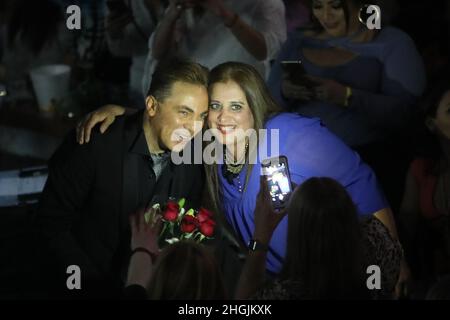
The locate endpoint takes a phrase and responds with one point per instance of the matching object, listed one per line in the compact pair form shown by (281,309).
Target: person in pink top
(425,208)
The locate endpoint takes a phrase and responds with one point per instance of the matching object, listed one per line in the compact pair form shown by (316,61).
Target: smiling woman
(230,114)
(240,100)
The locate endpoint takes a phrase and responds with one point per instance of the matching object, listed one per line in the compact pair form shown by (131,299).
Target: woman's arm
(384,110)
(266,220)
(164,36)
(402,83)
(408,217)
(144,247)
(122,37)
(386,217)
(104,115)
(409,208)
(263,38)
(253,275)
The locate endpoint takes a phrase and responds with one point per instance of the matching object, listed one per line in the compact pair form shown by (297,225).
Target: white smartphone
(278,179)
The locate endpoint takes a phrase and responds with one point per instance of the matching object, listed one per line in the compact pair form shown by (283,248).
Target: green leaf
(201,238)
(182,202)
(188,235)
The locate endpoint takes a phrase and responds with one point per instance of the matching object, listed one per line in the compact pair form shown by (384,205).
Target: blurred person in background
(129,25)
(215,31)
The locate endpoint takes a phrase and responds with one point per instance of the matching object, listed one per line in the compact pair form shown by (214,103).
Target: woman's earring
(363,16)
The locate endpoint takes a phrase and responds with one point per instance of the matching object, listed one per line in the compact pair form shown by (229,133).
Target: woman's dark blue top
(312,151)
(387,76)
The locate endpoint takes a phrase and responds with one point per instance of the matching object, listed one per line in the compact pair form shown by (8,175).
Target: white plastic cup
(50,83)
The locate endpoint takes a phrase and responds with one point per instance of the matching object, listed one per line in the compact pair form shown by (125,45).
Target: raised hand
(218,8)
(145,234)
(266,218)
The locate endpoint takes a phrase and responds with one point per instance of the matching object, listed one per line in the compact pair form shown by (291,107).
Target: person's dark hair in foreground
(186,271)
(324,247)
(325,254)
(441,290)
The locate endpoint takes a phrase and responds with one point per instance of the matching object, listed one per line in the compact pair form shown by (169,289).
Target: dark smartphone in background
(297,74)
(294,69)
(276,171)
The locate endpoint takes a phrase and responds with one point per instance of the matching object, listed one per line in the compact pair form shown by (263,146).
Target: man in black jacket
(92,189)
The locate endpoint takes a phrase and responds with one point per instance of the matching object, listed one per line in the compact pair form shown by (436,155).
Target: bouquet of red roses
(180,224)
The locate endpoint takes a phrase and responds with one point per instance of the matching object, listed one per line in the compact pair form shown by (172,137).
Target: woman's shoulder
(290,121)
(393,35)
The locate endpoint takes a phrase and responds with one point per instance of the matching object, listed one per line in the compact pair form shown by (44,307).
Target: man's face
(180,116)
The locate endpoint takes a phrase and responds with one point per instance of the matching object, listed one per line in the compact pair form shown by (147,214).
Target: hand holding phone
(276,171)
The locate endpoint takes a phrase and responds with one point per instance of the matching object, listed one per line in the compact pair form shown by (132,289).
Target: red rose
(172,210)
(172,206)
(188,224)
(204,215)
(207,228)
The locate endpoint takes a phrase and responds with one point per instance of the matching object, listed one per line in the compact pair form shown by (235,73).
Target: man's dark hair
(173,70)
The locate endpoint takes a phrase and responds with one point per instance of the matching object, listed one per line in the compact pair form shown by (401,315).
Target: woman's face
(229,112)
(331,15)
(442,119)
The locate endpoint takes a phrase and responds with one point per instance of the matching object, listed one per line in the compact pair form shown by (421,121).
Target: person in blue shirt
(367,80)
(239,101)
(362,83)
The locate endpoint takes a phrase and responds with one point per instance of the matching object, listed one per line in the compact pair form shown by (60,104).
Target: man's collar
(139,145)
